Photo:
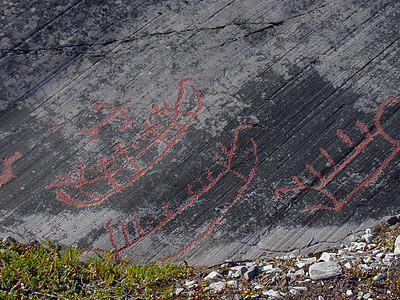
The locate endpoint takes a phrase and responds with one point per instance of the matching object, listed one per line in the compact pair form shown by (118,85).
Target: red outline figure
(213,180)
(324,180)
(108,168)
(7,175)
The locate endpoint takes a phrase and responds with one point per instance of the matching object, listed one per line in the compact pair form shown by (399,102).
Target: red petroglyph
(213,180)
(7,174)
(324,180)
(94,130)
(56,126)
(120,160)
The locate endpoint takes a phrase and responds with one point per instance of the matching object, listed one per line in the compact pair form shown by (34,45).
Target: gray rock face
(325,270)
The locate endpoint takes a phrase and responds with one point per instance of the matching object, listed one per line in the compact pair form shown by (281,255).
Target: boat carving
(175,123)
(357,149)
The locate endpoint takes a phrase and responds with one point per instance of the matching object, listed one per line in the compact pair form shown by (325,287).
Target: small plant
(246,294)
(35,271)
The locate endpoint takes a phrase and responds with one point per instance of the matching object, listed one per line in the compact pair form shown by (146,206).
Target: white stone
(324,270)
(212,276)
(300,288)
(380,254)
(368,236)
(358,246)
(396,250)
(259,287)
(326,257)
(321,298)
(306,261)
(274,270)
(177,291)
(300,264)
(233,284)
(379,276)
(348,265)
(189,283)
(272,294)
(367,259)
(240,270)
(366,296)
(267,268)
(349,293)
(217,287)
(294,291)
(299,273)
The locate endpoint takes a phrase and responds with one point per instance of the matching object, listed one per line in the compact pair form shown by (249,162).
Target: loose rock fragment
(272,294)
(380,276)
(326,257)
(251,273)
(325,270)
(397,246)
(213,276)
(392,220)
(217,287)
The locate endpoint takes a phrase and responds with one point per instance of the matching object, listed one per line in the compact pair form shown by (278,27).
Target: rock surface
(202,131)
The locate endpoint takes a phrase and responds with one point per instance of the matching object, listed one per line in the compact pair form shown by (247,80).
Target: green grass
(35,271)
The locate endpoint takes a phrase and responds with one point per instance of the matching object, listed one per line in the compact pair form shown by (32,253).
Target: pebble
(321,298)
(326,257)
(397,246)
(325,270)
(272,294)
(217,287)
(349,293)
(213,276)
(367,296)
(177,291)
(233,284)
(240,270)
(379,276)
(348,265)
(368,236)
(259,287)
(392,220)
(251,273)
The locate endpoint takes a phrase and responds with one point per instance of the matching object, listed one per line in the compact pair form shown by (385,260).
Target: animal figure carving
(7,174)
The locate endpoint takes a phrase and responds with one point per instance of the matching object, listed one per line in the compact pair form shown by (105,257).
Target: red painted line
(192,197)
(94,130)
(56,126)
(218,218)
(7,173)
(336,169)
(108,168)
